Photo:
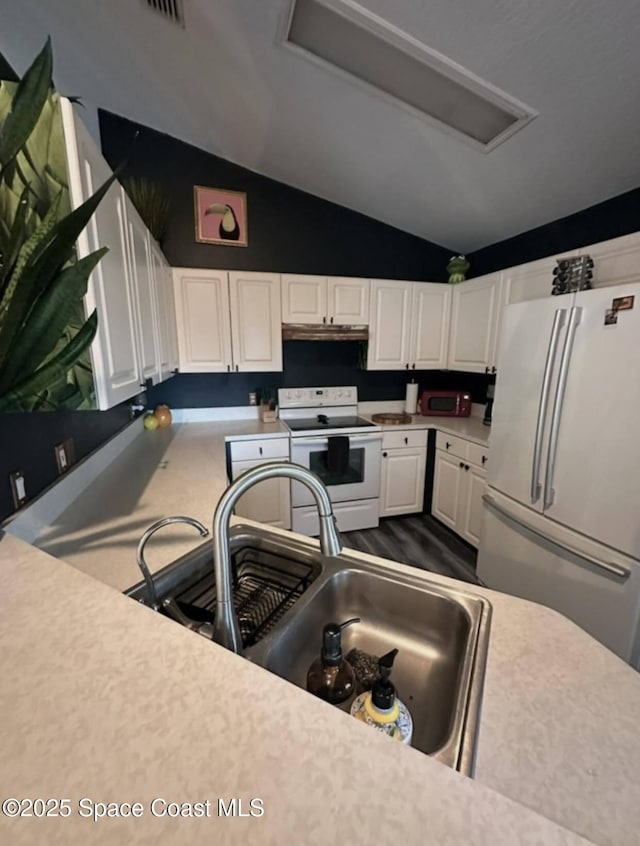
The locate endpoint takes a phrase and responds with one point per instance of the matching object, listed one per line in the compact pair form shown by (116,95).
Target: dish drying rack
(264,586)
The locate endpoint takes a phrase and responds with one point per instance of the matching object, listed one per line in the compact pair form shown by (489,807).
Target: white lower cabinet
(458,485)
(402,474)
(268,501)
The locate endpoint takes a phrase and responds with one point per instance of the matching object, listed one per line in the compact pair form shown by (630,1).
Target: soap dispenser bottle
(330,676)
(381,708)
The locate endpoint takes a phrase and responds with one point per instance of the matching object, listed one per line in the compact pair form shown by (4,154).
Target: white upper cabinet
(114,350)
(304,299)
(390,325)
(127,350)
(409,326)
(475,318)
(339,300)
(256,321)
(615,262)
(431,308)
(348,301)
(202,317)
(142,285)
(167,331)
(228,321)
(532,281)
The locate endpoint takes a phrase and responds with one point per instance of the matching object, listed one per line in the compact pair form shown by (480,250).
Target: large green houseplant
(42,283)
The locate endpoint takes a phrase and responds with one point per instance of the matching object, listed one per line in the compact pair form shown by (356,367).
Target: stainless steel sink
(441,633)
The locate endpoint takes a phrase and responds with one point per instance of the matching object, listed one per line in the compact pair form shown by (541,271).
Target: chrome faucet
(151,588)
(225,628)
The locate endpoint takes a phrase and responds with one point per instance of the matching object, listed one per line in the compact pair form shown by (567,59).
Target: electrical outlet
(17,488)
(65,455)
(253,400)
(61,458)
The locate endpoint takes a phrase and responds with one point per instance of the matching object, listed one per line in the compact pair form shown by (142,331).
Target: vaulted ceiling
(226,83)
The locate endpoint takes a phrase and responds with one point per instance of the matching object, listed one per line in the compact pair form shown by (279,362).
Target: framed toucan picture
(221,216)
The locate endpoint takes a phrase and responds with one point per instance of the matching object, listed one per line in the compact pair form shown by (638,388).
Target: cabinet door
(615,262)
(202,318)
(348,301)
(447,489)
(269,501)
(256,325)
(430,330)
(532,281)
(113,352)
(142,281)
(470,520)
(166,311)
(389,329)
(473,324)
(402,481)
(304,299)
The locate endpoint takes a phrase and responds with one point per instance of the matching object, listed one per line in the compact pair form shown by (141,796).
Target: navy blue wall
(610,219)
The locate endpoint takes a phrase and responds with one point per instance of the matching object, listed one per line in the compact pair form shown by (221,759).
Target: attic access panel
(353,41)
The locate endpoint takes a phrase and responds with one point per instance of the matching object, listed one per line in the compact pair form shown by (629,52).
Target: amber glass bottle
(330,676)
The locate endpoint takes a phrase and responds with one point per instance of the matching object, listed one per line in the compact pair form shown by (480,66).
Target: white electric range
(329,438)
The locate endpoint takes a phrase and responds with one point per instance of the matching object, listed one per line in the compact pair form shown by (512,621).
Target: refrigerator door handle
(558,323)
(608,566)
(575,315)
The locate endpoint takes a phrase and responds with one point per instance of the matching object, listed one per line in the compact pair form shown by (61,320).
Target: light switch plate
(18,488)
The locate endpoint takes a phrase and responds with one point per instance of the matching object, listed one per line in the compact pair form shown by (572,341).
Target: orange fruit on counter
(162,414)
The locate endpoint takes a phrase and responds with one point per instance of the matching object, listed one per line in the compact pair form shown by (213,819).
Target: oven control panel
(316,397)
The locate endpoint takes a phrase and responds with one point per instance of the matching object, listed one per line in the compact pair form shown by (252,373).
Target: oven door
(357,478)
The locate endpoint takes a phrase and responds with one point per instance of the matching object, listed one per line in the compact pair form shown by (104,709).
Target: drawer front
(478,455)
(405,438)
(267,449)
(452,445)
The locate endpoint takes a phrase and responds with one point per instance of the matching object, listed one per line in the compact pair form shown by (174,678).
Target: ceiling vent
(356,43)
(171,10)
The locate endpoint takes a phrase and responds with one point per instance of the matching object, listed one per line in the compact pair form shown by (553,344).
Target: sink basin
(441,632)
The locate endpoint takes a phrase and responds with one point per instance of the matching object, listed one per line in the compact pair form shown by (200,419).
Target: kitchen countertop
(558,730)
(471,428)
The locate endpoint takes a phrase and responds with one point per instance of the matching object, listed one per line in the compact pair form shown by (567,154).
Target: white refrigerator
(561,521)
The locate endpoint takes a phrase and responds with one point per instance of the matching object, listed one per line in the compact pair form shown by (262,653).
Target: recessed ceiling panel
(352,39)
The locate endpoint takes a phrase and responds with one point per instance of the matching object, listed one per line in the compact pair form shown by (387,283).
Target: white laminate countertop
(559,721)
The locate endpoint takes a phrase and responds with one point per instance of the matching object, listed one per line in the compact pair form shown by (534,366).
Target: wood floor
(420,541)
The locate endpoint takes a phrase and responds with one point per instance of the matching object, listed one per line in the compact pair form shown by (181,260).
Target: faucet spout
(151,588)
(226,630)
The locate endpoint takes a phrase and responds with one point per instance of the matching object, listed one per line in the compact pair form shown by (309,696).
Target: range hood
(323,332)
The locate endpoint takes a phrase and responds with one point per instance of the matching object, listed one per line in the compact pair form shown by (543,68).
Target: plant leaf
(16,237)
(17,399)
(48,320)
(53,250)
(27,104)
(18,296)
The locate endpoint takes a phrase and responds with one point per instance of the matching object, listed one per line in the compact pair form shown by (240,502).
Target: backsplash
(309,363)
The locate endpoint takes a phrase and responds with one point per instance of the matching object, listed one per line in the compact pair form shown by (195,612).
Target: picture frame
(623,303)
(220,216)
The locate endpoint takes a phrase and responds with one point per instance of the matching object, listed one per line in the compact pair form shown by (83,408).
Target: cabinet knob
(461,465)
(447,445)
(486,370)
(324,319)
(228,368)
(466,466)
(484,459)
(176,370)
(413,366)
(260,450)
(384,454)
(236,368)
(331,321)
(406,440)
(493,370)
(406,367)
